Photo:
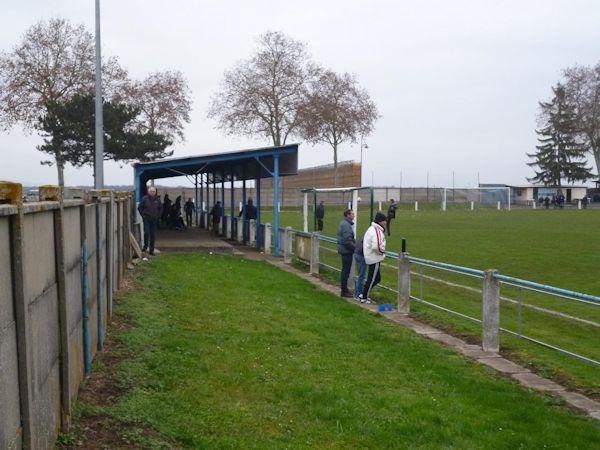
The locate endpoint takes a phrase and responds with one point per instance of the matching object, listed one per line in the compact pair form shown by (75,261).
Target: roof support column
(196,199)
(276,202)
(258,233)
(223,194)
(214,185)
(232,206)
(201,205)
(244,217)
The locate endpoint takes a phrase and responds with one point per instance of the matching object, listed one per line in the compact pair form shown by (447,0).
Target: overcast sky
(457,82)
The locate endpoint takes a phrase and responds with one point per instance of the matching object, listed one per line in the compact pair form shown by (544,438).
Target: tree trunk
(60,167)
(335,166)
(596,152)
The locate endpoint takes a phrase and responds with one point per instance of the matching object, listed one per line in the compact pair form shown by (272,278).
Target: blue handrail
(481,273)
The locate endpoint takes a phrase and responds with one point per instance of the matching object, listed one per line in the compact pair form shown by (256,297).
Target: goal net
(471,198)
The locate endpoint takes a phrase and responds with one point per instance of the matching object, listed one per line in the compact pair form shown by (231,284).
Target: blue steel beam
(276,202)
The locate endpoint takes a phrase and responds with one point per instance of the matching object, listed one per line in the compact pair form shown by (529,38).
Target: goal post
(469,198)
(339,198)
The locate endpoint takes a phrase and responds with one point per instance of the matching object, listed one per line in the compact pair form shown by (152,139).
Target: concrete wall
(41,307)
(10,420)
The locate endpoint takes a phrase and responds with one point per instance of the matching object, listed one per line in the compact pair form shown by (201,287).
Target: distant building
(526,194)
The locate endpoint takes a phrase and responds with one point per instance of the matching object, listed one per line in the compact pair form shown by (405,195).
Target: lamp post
(363,145)
(99,150)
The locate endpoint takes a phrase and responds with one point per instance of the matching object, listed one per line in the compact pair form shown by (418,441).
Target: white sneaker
(365,300)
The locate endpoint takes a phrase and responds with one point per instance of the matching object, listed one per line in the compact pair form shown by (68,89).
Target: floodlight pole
(99,155)
(363,145)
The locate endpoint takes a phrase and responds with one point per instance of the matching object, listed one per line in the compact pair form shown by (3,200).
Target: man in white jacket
(373,250)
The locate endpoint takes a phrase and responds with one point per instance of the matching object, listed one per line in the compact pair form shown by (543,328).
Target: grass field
(218,358)
(555,247)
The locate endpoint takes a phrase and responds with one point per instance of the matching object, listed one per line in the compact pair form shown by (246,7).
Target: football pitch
(554,247)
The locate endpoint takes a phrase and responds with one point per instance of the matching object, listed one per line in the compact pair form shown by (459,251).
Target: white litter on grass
(144,259)
(210,253)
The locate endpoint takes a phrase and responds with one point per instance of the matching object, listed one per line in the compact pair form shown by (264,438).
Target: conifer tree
(560,155)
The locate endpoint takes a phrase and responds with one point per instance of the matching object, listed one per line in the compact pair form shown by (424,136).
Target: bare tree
(163,99)
(262,95)
(583,91)
(53,62)
(337,111)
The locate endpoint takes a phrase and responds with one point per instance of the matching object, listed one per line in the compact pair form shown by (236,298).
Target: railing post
(404,284)
(267,238)
(240,229)
(252,232)
(491,312)
(314,253)
(287,247)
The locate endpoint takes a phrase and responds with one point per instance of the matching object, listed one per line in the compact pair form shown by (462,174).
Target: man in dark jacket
(216,212)
(320,214)
(150,209)
(345,246)
(189,209)
(391,214)
(247,213)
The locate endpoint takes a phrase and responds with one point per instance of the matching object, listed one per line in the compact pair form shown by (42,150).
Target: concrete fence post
(287,246)
(55,193)
(404,284)
(491,312)
(13,192)
(240,230)
(314,253)
(96,196)
(109,253)
(252,233)
(268,238)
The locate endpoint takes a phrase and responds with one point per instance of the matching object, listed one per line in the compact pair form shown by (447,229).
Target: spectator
(249,213)
(216,212)
(345,246)
(547,202)
(189,209)
(373,249)
(175,216)
(166,211)
(391,214)
(361,268)
(249,210)
(320,214)
(150,209)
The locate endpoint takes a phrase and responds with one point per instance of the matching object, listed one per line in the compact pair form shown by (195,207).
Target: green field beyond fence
(228,353)
(554,247)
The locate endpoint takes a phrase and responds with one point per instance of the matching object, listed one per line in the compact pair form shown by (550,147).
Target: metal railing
(411,276)
(319,251)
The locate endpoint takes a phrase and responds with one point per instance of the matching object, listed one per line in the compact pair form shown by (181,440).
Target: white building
(526,194)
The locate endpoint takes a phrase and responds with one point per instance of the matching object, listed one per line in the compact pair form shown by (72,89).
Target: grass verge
(228,353)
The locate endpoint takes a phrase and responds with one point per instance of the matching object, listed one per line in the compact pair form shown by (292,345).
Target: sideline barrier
(317,250)
(61,259)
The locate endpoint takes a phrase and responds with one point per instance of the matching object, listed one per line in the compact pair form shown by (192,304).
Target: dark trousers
(346,266)
(215,227)
(389,225)
(188,218)
(149,234)
(319,224)
(373,278)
